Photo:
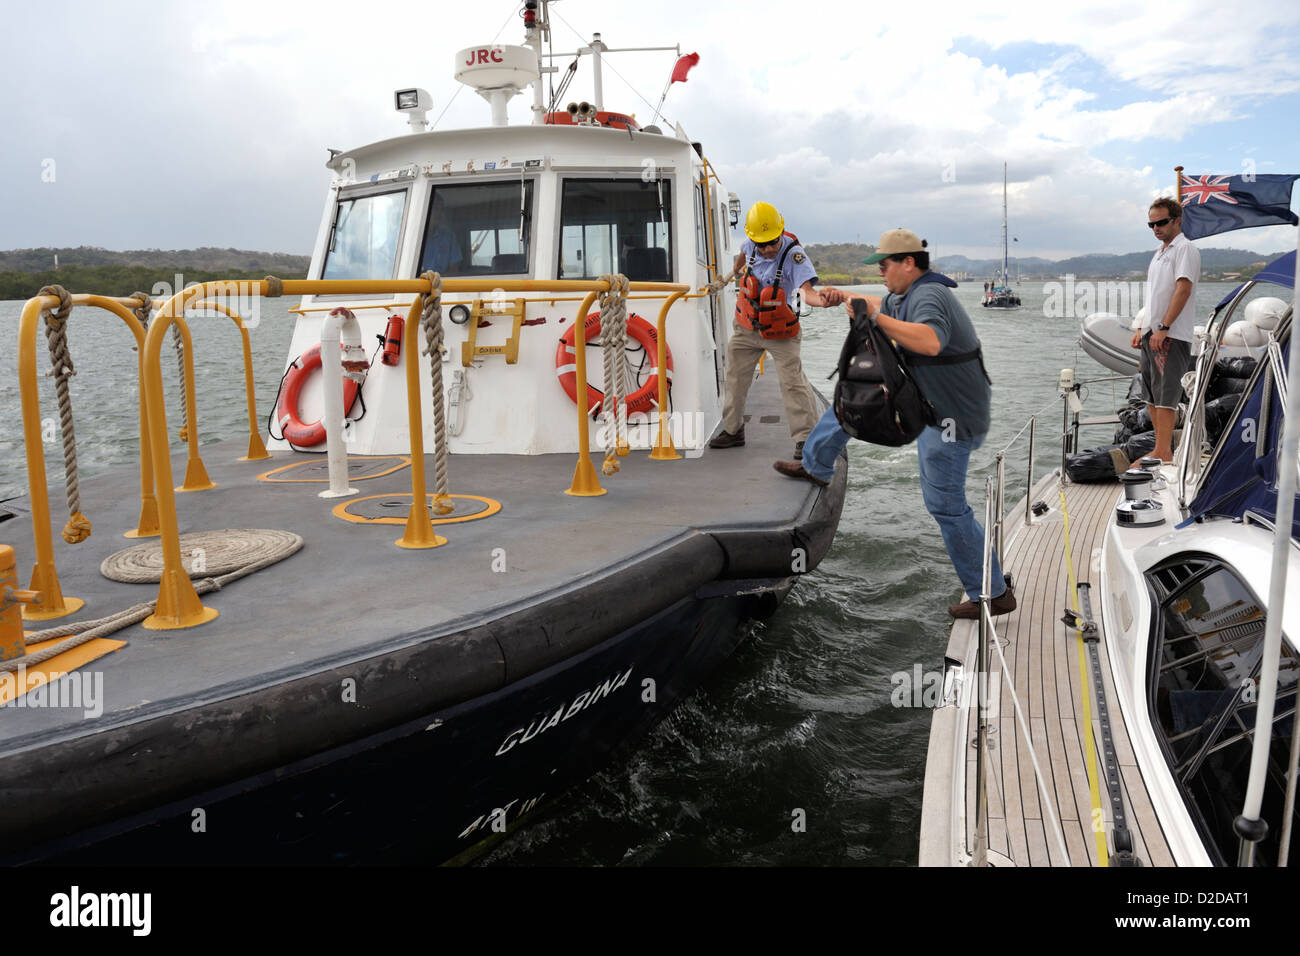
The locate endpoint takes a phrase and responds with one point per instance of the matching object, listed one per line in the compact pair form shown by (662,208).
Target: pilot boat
(1138,707)
(258,645)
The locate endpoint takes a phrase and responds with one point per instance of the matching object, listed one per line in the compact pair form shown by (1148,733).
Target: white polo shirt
(1178,260)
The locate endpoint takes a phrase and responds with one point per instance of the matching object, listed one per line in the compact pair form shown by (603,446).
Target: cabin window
(1204,674)
(701,226)
(364,236)
(616,226)
(479,229)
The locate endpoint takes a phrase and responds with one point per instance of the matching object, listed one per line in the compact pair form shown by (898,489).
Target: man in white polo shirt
(1166,334)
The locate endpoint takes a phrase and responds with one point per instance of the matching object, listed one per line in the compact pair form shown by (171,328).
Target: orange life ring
(294,429)
(644,398)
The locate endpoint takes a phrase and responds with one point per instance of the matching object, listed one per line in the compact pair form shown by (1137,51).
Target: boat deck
(1042,658)
(548,576)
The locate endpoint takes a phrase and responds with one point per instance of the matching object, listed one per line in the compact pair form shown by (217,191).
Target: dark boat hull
(440,786)
(451,736)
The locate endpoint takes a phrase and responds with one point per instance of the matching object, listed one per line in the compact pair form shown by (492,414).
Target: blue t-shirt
(797,270)
(960,391)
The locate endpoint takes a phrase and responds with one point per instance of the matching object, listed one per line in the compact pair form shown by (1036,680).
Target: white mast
(1004,224)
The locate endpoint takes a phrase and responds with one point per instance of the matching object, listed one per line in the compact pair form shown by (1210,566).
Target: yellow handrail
(45,577)
(700,293)
(419,531)
(178,604)
(664,449)
(256,448)
(196,475)
(585,484)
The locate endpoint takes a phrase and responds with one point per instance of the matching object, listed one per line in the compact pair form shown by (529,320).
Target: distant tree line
(123,280)
(207,257)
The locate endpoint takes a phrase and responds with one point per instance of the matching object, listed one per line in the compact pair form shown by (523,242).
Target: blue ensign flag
(1214,204)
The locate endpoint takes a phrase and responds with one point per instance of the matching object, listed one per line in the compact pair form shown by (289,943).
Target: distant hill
(206,258)
(23,272)
(1214,262)
(842,262)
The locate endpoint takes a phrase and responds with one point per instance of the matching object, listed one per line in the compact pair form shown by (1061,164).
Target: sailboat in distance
(1001,295)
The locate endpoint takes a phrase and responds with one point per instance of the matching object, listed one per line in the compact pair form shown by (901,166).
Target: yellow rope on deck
(1090,745)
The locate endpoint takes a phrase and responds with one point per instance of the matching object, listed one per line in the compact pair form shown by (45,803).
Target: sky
(137,125)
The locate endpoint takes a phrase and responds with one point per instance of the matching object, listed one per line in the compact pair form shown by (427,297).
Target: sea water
(796,751)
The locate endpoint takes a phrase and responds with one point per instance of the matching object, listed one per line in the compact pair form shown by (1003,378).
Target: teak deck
(1042,660)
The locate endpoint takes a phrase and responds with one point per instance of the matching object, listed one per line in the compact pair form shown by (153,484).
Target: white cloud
(206,123)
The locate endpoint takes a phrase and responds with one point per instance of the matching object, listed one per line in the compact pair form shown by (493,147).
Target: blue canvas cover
(1281,271)
(1243,475)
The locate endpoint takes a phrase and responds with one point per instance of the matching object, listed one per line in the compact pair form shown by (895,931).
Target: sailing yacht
(1000,294)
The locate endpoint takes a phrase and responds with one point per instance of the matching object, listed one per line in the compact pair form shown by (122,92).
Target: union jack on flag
(1214,204)
(1205,188)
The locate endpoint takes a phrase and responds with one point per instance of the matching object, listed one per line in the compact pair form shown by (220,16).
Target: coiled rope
(78,527)
(613,337)
(431,321)
(259,548)
(143,311)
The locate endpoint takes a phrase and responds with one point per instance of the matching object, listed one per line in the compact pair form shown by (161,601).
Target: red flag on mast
(683,67)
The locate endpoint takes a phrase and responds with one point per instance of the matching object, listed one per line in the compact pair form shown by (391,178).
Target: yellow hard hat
(763,223)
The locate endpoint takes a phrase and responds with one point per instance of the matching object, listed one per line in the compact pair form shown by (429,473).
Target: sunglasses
(1161,222)
(768,244)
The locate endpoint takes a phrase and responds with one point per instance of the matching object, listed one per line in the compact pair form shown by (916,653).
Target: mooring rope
(179,344)
(143,311)
(613,337)
(259,548)
(718,284)
(78,527)
(431,320)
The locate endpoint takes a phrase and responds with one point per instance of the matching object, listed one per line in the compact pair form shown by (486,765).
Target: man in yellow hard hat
(774,272)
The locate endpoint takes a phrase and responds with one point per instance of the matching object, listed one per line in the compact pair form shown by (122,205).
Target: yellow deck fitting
(12,645)
(461,503)
(278,474)
(14,684)
(484,308)
(54,603)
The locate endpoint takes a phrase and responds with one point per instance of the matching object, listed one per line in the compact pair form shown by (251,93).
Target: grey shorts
(1162,372)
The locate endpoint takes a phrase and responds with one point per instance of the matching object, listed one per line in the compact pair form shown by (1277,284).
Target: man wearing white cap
(939,343)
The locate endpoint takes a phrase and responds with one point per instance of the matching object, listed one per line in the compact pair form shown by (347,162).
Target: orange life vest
(764,307)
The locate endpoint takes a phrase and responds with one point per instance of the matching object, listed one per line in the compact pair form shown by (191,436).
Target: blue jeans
(943,466)
(823,445)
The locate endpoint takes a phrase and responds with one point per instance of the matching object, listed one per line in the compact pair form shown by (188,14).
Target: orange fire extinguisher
(393,340)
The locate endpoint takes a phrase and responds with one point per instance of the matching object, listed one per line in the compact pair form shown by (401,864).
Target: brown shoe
(1004,603)
(794,469)
(728,440)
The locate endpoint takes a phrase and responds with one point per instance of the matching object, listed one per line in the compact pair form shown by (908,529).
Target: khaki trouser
(744,349)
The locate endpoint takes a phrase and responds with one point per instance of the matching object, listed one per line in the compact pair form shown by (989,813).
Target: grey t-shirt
(958,392)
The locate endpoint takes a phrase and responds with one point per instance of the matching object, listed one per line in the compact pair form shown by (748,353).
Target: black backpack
(876,398)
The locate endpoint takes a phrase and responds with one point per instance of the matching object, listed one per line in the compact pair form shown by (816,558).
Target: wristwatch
(1164,328)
